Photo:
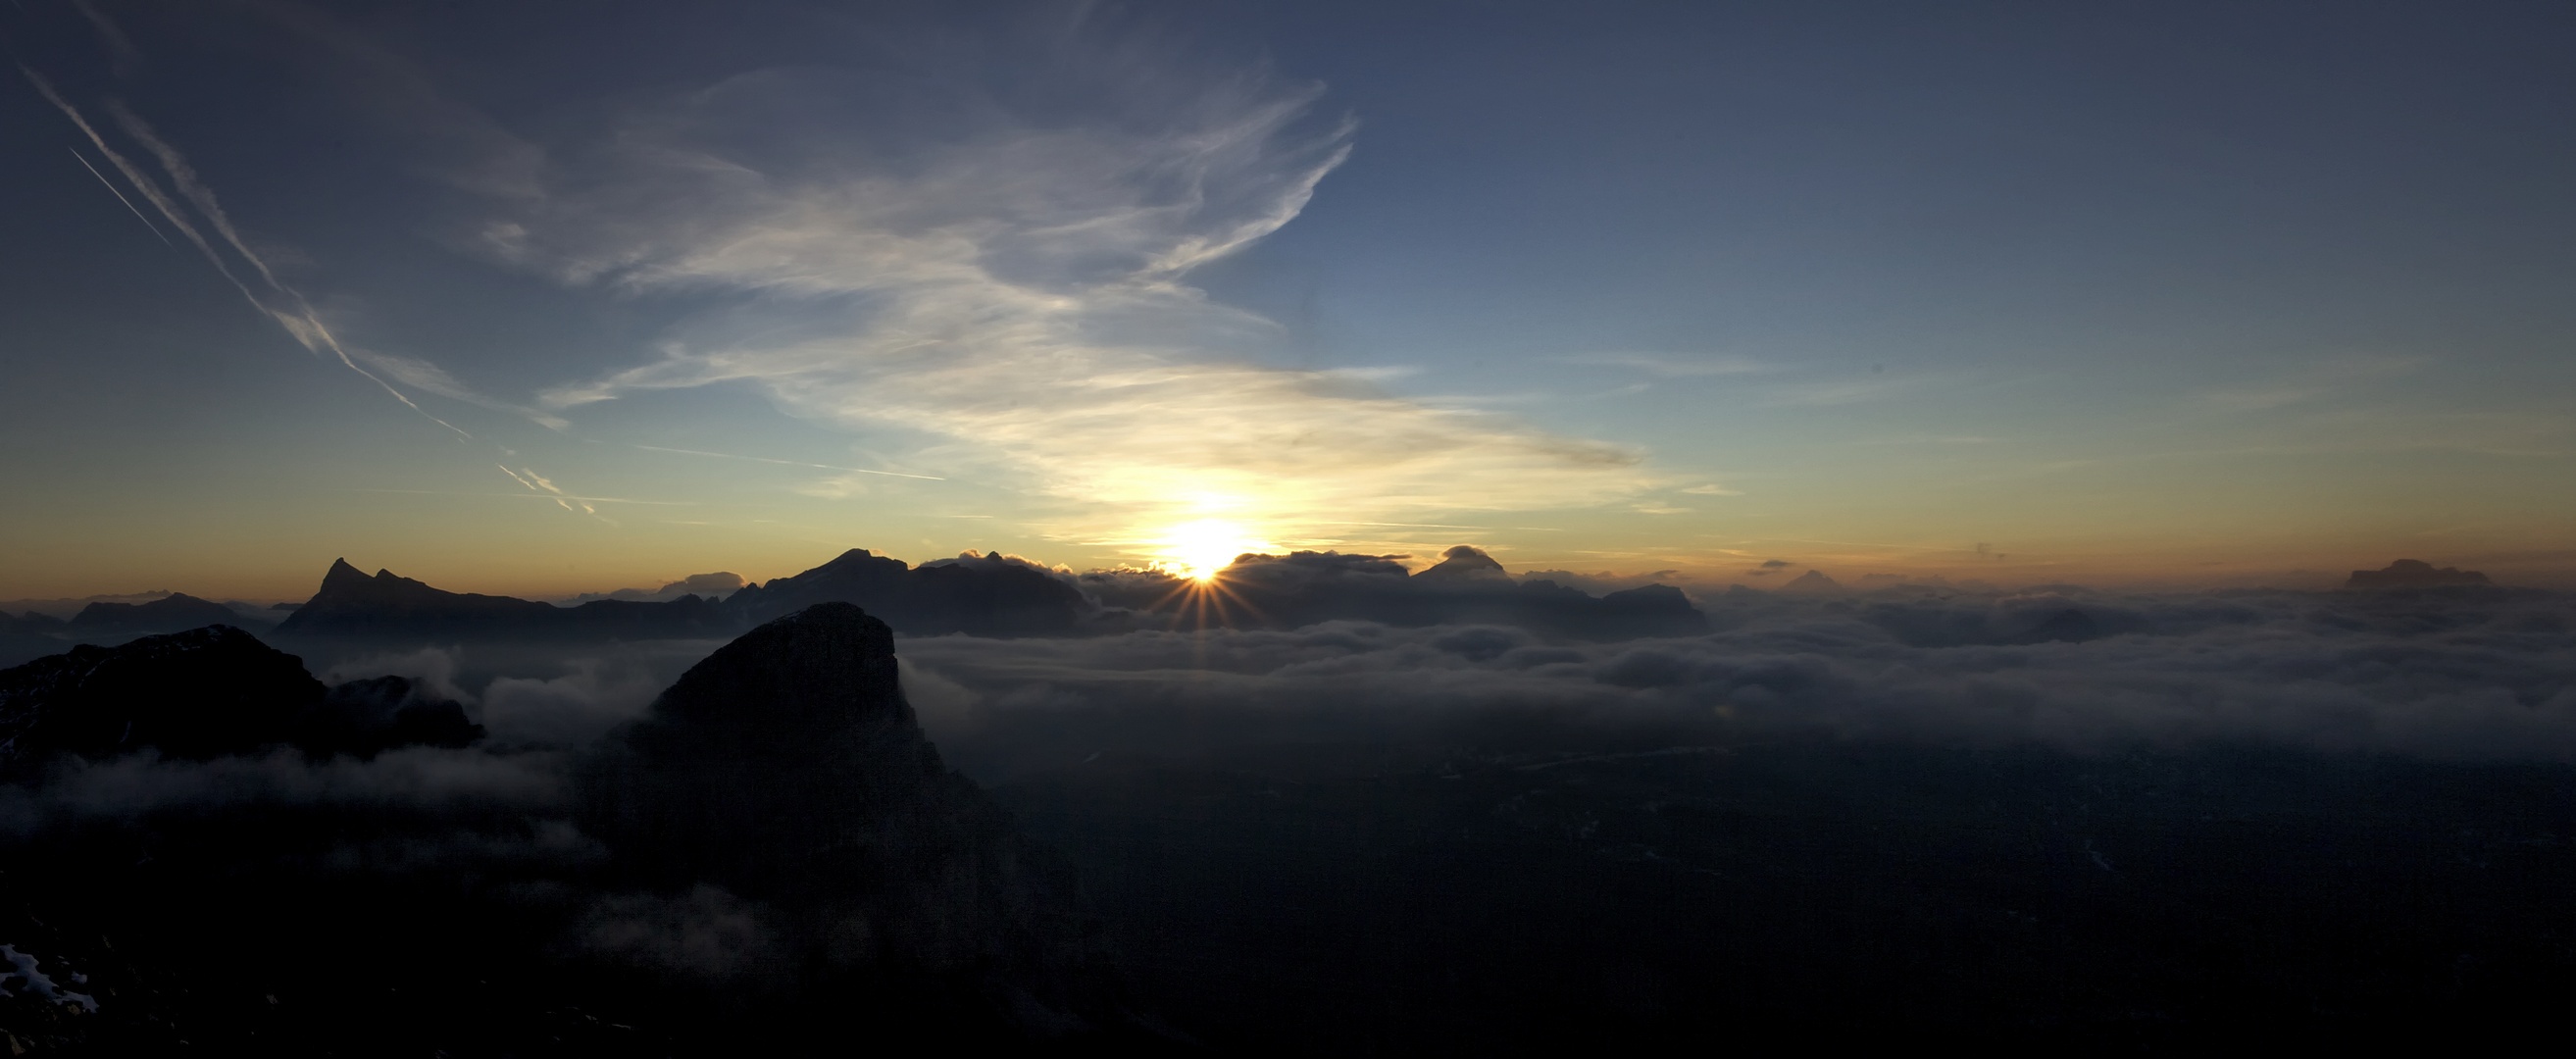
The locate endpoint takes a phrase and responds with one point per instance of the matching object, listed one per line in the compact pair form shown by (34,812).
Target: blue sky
(2150,292)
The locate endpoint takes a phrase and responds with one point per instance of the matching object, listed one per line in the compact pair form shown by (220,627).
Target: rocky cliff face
(786,773)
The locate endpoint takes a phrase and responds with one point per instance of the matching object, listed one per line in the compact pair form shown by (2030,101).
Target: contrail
(184,176)
(528,496)
(303,326)
(120,197)
(528,476)
(143,182)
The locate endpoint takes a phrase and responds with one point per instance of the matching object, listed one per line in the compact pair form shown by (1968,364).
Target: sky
(548,299)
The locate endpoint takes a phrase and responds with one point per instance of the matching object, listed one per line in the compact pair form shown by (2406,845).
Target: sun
(1198,550)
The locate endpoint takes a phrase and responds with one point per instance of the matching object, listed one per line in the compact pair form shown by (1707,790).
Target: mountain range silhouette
(995,596)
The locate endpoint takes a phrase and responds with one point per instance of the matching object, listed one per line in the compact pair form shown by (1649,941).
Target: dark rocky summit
(207,693)
(197,694)
(787,772)
(1465,563)
(2415,573)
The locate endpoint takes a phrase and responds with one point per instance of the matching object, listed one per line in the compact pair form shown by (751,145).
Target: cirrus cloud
(1001,273)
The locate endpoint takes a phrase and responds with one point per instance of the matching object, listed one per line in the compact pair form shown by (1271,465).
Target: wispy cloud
(1670,365)
(1015,287)
(2314,381)
(1842,391)
(790,463)
(110,35)
(430,378)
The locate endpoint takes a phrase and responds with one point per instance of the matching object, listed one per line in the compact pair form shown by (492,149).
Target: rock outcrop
(364,718)
(785,776)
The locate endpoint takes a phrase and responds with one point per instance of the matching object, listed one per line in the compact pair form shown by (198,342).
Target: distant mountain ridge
(388,606)
(1467,587)
(982,596)
(1000,596)
(172,613)
(2415,573)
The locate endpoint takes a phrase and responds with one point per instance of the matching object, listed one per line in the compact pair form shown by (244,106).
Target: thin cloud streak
(791,463)
(529,496)
(120,197)
(539,486)
(1668,367)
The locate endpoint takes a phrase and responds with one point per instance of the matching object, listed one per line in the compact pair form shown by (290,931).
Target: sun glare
(1198,550)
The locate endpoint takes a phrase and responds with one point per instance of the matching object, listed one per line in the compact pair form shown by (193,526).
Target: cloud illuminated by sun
(1199,549)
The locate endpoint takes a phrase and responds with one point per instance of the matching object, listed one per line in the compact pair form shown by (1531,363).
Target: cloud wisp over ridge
(1008,282)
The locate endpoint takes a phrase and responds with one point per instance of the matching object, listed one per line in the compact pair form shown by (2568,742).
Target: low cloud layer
(2441,675)
(2444,674)
(1389,712)
(475,782)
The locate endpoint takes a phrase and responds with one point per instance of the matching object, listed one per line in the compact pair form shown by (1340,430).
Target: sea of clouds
(2442,674)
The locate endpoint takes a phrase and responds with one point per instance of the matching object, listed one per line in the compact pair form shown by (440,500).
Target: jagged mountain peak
(1465,563)
(1813,581)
